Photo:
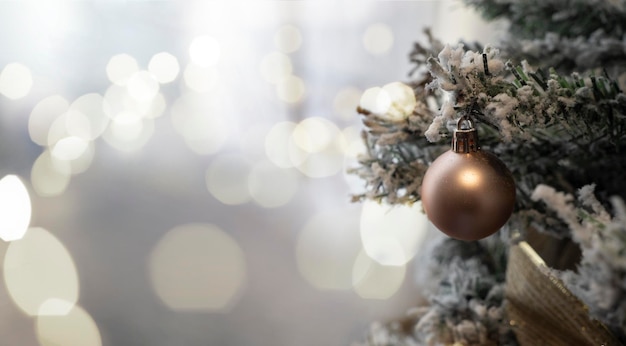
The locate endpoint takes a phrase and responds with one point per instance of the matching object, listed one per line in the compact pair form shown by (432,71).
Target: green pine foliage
(567,18)
(549,104)
(568,35)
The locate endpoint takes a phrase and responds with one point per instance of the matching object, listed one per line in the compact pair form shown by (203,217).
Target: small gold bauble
(468,193)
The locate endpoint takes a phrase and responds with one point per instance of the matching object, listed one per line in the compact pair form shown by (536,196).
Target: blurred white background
(174,172)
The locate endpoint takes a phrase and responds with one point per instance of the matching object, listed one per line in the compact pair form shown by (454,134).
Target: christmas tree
(548,102)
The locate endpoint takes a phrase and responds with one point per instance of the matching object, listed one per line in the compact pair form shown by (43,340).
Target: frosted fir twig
(532,101)
(397,153)
(598,51)
(562,203)
(569,36)
(551,125)
(535,18)
(388,335)
(397,156)
(600,280)
(564,131)
(462,75)
(467,307)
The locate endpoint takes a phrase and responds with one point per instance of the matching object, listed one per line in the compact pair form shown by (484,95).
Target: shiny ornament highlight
(468,193)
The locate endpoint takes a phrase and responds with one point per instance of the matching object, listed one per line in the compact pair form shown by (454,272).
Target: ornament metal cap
(465,140)
(466,192)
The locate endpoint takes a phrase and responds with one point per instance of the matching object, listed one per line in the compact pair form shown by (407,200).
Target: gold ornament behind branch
(542,311)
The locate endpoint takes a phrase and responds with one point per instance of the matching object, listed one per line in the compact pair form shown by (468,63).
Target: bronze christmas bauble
(468,195)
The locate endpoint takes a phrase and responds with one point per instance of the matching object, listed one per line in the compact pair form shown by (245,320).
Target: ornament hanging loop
(465,140)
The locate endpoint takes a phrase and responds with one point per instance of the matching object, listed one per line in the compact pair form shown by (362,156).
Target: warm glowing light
(318,149)
(199,120)
(375,281)
(129,132)
(288,39)
(16,80)
(74,328)
(354,145)
(275,66)
(322,164)
(227,179)
(402,98)
(205,51)
(375,100)
(55,307)
(296,155)
(154,108)
(43,115)
(15,208)
(77,124)
(201,79)
(314,146)
(277,142)
(346,102)
(94,108)
(38,268)
(469,178)
(80,163)
(85,119)
(164,67)
(127,127)
(49,177)
(290,89)
(58,130)
(392,235)
(142,86)
(327,247)
(378,39)
(118,100)
(271,186)
(69,148)
(198,267)
(314,134)
(120,68)
(73,149)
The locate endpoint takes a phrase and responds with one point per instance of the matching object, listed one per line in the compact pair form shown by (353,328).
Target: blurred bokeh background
(173,173)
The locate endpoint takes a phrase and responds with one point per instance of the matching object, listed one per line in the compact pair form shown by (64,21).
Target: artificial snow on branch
(549,105)
(535,18)
(564,131)
(566,35)
(541,124)
(600,279)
